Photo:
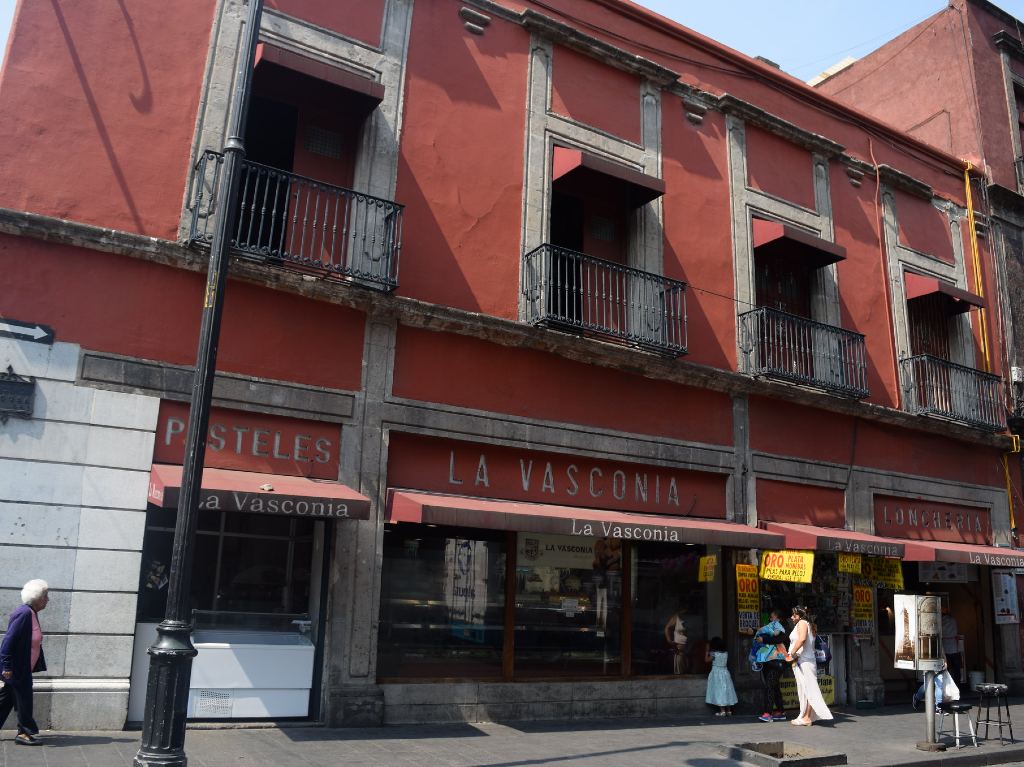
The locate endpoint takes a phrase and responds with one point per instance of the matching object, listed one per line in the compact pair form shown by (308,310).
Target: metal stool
(956,708)
(987,692)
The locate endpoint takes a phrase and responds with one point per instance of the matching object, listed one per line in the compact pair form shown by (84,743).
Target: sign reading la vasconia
(491,471)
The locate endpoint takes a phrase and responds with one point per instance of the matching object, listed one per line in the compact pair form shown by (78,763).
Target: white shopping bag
(950,691)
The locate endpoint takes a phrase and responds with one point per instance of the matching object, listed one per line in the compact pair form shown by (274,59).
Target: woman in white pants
(805,669)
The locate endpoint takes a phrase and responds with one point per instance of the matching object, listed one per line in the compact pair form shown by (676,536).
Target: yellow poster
(884,573)
(790,699)
(708,564)
(863,604)
(850,563)
(748,591)
(796,566)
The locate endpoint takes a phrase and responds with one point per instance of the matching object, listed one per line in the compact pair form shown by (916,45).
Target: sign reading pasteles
(252,442)
(488,471)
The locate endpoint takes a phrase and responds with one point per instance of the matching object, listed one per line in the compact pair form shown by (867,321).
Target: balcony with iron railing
(938,387)
(571,291)
(297,223)
(776,344)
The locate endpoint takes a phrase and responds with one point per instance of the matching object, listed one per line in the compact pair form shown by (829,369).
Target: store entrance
(964,594)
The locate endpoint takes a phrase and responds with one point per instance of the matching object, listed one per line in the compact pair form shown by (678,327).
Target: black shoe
(24,739)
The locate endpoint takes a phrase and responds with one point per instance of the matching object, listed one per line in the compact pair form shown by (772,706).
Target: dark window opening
(242,563)
(783,284)
(928,320)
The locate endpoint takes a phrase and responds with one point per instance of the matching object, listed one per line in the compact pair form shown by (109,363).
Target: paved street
(869,738)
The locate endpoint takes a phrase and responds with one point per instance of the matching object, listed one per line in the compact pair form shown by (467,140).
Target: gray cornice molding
(563,34)
(900,180)
(497,330)
(231,390)
(1004,41)
(746,111)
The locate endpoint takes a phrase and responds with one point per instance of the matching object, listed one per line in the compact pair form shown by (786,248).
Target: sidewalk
(869,738)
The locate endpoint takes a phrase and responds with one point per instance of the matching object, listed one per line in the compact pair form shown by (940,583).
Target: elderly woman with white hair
(21,653)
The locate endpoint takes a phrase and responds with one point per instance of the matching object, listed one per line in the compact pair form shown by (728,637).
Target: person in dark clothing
(21,653)
(769,652)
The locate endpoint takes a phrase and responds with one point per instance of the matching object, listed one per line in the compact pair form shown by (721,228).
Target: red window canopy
(836,540)
(972,554)
(408,506)
(249,491)
(583,169)
(956,300)
(318,70)
(774,238)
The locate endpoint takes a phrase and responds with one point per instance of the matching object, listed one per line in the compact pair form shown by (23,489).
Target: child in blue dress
(721,692)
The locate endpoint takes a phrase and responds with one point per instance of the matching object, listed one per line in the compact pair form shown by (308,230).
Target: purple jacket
(16,647)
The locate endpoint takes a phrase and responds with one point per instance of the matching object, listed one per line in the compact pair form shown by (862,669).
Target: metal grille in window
(326,143)
(214,703)
(602,229)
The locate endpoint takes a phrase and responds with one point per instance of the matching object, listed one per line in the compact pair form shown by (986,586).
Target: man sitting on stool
(939,691)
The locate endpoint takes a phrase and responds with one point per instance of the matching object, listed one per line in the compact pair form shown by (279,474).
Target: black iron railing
(570,290)
(1018,164)
(295,222)
(781,345)
(939,387)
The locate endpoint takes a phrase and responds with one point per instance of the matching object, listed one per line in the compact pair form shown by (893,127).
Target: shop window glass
(568,606)
(442,603)
(242,563)
(828,595)
(666,588)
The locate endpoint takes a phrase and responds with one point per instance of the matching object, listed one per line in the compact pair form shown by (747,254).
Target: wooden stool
(987,692)
(956,708)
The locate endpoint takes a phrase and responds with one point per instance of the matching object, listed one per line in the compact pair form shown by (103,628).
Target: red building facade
(544,316)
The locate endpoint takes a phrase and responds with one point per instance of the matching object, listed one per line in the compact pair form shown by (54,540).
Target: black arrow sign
(27,331)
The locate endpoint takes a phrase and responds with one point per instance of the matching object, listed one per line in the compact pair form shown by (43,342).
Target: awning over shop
(957,300)
(278,494)
(585,169)
(836,540)
(973,554)
(406,506)
(774,238)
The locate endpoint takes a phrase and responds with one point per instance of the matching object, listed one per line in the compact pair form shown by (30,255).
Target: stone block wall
(73,487)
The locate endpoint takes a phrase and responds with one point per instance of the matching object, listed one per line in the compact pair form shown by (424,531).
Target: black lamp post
(170,657)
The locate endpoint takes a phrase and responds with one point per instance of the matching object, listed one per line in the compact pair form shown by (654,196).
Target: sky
(802,36)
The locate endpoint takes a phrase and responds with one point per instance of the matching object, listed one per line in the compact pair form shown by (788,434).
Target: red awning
(958,301)
(775,238)
(271,54)
(583,168)
(248,491)
(973,554)
(836,540)
(405,506)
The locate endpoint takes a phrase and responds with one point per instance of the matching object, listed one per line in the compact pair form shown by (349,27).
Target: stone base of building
(89,704)
(355,706)
(490,701)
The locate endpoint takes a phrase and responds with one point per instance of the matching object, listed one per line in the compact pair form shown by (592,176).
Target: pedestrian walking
(721,691)
(769,655)
(805,669)
(21,653)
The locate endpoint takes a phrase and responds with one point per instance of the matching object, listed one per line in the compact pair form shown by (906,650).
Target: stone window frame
(546,129)
(900,258)
(1010,48)
(376,162)
(749,203)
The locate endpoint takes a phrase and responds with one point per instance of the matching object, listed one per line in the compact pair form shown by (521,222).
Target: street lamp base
(924,745)
(170,669)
